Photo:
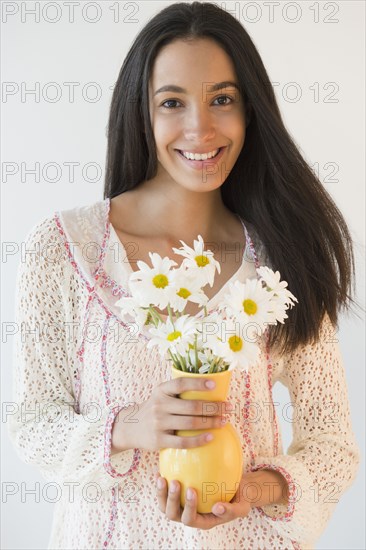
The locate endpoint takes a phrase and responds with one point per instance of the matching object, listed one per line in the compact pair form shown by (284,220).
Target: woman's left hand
(169,504)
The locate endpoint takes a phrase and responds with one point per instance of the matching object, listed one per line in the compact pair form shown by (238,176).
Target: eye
(225,97)
(169,101)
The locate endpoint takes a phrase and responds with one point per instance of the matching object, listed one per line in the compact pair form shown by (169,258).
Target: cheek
(233,125)
(164,133)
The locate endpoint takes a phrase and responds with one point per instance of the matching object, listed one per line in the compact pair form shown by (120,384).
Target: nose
(199,124)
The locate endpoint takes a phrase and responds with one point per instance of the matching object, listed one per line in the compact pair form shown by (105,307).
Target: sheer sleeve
(45,425)
(323,458)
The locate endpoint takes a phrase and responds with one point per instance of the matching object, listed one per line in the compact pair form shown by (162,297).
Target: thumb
(231,510)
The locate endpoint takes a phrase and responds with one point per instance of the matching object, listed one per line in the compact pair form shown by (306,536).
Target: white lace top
(77,364)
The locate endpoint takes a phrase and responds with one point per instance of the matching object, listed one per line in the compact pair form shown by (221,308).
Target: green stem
(170,315)
(175,360)
(155,315)
(196,352)
(213,365)
(183,362)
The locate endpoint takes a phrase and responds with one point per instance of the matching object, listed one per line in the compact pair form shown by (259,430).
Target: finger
(181,384)
(173,509)
(186,442)
(177,422)
(237,507)
(192,518)
(189,515)
(227,511)
(195,407)
(162,492)
(220,510)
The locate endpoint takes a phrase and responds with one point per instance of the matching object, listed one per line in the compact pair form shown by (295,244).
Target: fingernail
(209,437)
(223,421)
(190,494)
(172,488)
(219,509)
(210,384)
(160,483)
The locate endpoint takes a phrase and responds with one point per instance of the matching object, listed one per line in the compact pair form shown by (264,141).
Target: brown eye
(169,101)
(224,97)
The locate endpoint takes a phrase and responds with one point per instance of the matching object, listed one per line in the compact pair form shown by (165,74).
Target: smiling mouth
(201,160)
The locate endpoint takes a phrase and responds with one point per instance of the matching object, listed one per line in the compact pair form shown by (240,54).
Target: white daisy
(208,327)
(188,289)
(249,302)
(233,347)
(278,308)
(130,309)
(272,280)
(153,285)
(176,338)
(199,260)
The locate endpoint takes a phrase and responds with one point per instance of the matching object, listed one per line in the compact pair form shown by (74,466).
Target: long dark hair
(271,186)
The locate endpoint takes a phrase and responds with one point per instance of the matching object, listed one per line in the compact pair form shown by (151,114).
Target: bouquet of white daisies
(224,339)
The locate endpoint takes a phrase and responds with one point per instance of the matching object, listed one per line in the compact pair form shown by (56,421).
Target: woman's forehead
(196,62)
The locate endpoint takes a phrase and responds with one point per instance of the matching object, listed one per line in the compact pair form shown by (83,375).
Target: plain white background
(314,54)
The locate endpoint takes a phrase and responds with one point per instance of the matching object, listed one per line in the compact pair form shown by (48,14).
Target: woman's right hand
(151,424)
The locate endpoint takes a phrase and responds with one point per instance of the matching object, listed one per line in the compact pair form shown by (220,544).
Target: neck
(180,213)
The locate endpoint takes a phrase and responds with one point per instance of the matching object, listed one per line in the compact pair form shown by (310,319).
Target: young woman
(196,145)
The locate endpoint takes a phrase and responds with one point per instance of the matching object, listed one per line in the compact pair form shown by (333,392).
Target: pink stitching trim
(104,367)
(111,471)
(111,314)
(105,240)
(291,491)
(269,377)
(107,281)
(246,428)
(108,444)
(112,517)
(71,257)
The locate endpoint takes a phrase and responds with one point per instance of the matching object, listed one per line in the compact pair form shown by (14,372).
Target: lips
(200,165)
(218,152)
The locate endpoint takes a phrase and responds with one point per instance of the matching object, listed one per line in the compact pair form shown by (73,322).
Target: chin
(201,188)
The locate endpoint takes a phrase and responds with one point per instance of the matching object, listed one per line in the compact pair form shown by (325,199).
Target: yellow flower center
(183,293)
(160,280)
(202,261)
(174,335)
(250,307)
(235,343)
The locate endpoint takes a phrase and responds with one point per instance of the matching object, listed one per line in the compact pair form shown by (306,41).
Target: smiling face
(188,114)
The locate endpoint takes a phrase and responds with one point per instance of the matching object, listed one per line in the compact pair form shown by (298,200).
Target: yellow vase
(214,469)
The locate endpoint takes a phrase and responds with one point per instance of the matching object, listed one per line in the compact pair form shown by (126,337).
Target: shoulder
(62,237)
(42,244)
(80,219)
(84,222)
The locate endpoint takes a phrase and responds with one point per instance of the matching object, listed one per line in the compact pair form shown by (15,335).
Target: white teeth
(197,156)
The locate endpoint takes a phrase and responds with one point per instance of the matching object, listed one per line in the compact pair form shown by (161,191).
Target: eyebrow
(213,88)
